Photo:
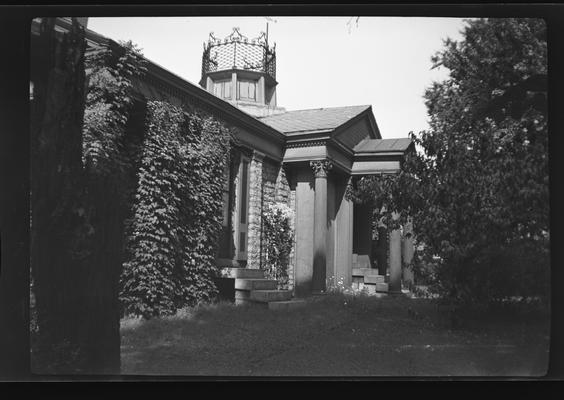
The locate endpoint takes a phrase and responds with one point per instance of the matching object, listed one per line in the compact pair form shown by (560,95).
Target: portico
(325,150)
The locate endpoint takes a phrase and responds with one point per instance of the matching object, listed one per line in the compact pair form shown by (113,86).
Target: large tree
(80,163)
(57,192)
(477,188)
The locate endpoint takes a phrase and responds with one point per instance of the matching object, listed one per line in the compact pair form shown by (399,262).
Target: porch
(324,150)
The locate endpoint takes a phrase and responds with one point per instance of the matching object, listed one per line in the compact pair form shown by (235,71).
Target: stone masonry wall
(262,192)
(268,184)
(286,196)
(282,188)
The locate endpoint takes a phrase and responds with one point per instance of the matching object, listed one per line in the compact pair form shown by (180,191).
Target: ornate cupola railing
(236,51)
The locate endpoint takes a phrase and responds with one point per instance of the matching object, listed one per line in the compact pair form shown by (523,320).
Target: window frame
(219,88)
(247,83)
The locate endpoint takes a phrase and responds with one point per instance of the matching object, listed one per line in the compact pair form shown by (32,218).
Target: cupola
(241,71)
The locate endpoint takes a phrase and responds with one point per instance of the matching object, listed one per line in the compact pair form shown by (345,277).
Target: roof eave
(167,76)
(201,94)
(307,132)
(377,153)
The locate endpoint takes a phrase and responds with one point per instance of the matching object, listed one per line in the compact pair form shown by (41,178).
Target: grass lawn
(334,335)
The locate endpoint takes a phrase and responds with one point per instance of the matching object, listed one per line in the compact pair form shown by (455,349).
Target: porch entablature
(348,161)
(349,137)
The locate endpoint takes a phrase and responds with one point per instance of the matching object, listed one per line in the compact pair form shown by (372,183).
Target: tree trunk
(99,324)
(76,243)
(382,252)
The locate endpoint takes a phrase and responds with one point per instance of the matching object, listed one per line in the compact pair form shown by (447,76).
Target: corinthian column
(320,170)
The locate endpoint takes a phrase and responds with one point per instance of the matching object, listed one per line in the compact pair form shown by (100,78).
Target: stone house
(303,158)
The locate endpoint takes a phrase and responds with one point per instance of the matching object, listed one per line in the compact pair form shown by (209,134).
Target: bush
(517,271)
(279,241)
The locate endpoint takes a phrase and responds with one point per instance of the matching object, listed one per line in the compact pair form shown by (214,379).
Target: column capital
(321,168)
(349,188)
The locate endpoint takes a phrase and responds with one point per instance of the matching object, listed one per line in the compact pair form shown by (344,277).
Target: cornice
(381,156)
(308,143)
(172,83)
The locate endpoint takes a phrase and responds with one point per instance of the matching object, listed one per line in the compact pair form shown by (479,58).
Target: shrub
(498,274)
(279,241)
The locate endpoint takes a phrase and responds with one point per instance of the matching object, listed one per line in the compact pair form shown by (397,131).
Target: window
(247,90)
(243,199)
(222,89)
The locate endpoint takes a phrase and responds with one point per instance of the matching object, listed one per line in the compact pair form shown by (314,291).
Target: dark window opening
(242,240)
(244,189)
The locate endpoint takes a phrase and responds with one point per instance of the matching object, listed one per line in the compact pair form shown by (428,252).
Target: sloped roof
(382,145)
(314,120)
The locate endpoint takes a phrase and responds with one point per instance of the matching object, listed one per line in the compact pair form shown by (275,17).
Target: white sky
(384,61)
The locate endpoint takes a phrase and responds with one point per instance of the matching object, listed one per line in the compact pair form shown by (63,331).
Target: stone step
(371,272)
(242,294)
(255,284)
(370,289)
(382,287)
(286,305)
(266,296)
(365,272)
(373,279)
(243,273)
(359,271)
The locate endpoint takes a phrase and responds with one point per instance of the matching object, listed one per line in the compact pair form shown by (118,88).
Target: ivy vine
(168,180)
(177,220)
(279,239)
(110,71)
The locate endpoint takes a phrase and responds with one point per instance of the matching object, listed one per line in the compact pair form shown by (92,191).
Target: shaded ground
(336,336)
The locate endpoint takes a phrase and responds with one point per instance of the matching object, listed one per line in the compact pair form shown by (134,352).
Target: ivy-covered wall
(178,212)
(268,185)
